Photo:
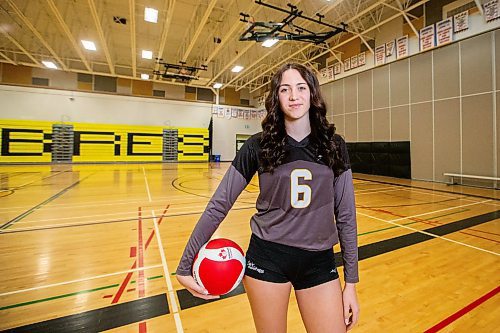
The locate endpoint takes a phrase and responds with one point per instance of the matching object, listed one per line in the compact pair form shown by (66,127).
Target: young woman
(305,206)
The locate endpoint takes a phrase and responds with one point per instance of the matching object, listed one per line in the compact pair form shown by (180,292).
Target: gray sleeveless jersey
(302,204)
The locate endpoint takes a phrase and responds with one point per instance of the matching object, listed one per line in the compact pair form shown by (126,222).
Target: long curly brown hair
(323,139)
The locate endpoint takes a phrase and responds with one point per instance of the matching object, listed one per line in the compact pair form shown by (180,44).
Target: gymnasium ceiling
(32,31)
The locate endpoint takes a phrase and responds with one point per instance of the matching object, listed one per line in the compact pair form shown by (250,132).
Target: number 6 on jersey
(297,200)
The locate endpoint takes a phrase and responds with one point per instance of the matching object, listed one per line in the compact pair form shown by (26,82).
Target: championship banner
(337,67)
(427,38)
(361,59)
(323,73)
(402,47)
(491,10)
(461,22)
(389,48)
(347,64)
(329,73)
(380,55)
(354,61)
(444,31)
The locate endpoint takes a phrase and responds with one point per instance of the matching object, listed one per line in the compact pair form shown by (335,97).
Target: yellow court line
(78,280)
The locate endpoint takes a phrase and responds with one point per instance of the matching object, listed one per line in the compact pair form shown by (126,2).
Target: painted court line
(92,203)
(173,300)
(429,234)
(439,211)
(78,280)
(462,312)
(140,247)
(32,209)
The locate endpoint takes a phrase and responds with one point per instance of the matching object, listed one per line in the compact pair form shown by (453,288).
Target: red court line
(140,281)
(129,275)
(429,222)
(133,251)
(463,311)
(142,327)
(150,238)
(123,285)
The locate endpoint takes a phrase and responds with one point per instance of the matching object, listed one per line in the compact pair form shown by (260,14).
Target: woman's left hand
(351,306)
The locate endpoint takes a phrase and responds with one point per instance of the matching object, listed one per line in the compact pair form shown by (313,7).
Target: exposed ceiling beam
(227,37)
(479,7)
(400,10)
(10,61)
(97,23)
(37,34)
(246,69)
(20,47)
(133,47)
(169,9)
(67,32)
(72,70)
(262,57)
(418,4)
(240,53)
(325,9)
(229,64)
(198,31)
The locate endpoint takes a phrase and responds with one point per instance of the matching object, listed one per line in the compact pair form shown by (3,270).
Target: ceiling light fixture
(145,76)
(237,69)
(88,45)
(270,42)
(217,85)
(49,64)
(147,54)
(150,15)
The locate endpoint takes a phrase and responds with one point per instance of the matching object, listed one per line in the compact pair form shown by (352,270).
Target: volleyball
(219,266)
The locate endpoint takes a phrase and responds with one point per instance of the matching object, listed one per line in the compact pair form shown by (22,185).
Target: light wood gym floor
(98,245)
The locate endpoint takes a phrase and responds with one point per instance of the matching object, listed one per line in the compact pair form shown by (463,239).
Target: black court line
(102,319)
(31,210)
(13,231)
(187,300)
(38,180)
(429,189)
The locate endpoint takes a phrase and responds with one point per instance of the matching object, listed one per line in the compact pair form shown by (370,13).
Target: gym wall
(443,101)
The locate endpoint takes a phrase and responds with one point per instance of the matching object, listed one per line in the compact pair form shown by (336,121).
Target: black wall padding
(381,158)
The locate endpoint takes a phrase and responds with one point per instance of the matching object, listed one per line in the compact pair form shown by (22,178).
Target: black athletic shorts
(278,263)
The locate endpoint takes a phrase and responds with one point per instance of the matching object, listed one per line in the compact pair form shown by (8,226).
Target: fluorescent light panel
(150,15)
(269,42)
(145,76)
(217,85)
(88,45)
(49,64)
(147,54)
(237,69)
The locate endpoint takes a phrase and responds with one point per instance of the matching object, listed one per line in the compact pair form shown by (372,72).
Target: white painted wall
(224,134)
(59,105)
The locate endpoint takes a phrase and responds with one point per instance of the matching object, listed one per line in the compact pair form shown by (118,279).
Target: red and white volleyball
(219,266)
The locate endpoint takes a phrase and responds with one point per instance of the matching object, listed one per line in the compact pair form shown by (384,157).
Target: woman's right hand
(194,288)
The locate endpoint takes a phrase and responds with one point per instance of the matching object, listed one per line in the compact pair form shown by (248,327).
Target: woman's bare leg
(269,303)
(321,308)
